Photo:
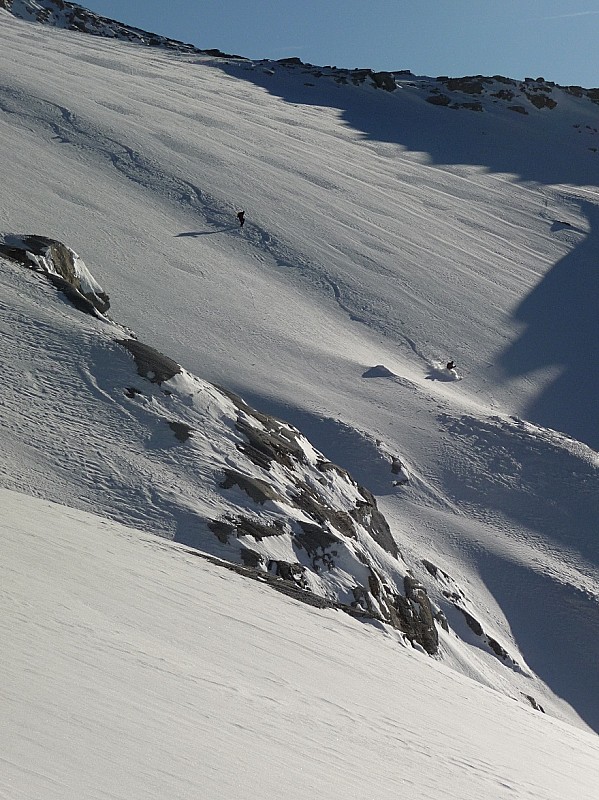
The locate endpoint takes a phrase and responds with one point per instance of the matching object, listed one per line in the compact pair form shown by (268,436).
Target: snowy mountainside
(159,678)
(473,93)
(72,16)
(165,451)
(383,229)
(168,452)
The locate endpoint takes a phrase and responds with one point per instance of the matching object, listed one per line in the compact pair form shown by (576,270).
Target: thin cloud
(573,14)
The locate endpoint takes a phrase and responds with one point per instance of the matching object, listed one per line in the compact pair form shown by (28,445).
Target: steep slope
(161,679)
(168,451)
(383,229)
(75,17)
(102,421)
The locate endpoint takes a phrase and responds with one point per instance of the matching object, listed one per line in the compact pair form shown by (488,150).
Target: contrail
(573,14)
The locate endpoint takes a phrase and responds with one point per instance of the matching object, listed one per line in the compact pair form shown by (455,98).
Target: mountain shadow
(561,315)
(545,628)
(497,137)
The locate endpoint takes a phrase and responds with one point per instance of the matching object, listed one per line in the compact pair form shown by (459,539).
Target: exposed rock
(324,533)
(470,85)
(292,61)
(181,430)
(358,76)
(363,599)
(368,514)
(534,704)
(476,106)
(274,441)
(250,558)
(216,53)
(473,623)
(431,568)
(438,100)
(244,526)
(71,16)
(150,364)
(541,100)
(294,573)
(384,80)
(61,266)
(441,619)
(310,502)
(222,530)
(328,519)
(493,644)
(399,469)
(315,538)
(257,489)
(503,79)
(504,94)
(416,615)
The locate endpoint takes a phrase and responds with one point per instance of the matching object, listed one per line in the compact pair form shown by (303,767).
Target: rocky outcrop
(451,92)
(416,618)
(286,511)
(471,85)
(151,364)
(61,266)
(541,100)
(384,80)
(71,16)
(270,442)
(326,538)
(438,99)
(458,600)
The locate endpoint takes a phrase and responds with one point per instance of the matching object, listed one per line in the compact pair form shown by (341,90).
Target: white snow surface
(134,669)
(384,232)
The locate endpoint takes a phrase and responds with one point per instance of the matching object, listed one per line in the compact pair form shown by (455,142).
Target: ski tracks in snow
(68,128)
(71,129)
(78,132)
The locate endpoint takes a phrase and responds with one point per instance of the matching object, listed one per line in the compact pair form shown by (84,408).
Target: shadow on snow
(561,315)
(561,312)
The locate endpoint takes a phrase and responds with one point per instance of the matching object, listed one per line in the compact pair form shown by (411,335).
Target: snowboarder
(241,218)
(451,365)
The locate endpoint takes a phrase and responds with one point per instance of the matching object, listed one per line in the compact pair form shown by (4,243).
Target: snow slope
(381,230)
(131,668)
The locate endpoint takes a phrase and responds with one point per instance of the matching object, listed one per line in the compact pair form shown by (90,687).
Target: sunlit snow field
(381,230)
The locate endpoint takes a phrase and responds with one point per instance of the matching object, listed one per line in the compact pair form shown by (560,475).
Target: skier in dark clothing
(241,218)
(450,365)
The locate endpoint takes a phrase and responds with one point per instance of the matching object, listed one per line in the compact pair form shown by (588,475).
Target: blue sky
(556,39)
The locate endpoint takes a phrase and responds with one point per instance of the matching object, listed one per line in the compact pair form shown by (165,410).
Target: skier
(241,218)
(451,365)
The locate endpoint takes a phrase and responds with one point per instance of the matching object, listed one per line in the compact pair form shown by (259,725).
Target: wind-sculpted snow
(172,454)
(381,229)
(208,470)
